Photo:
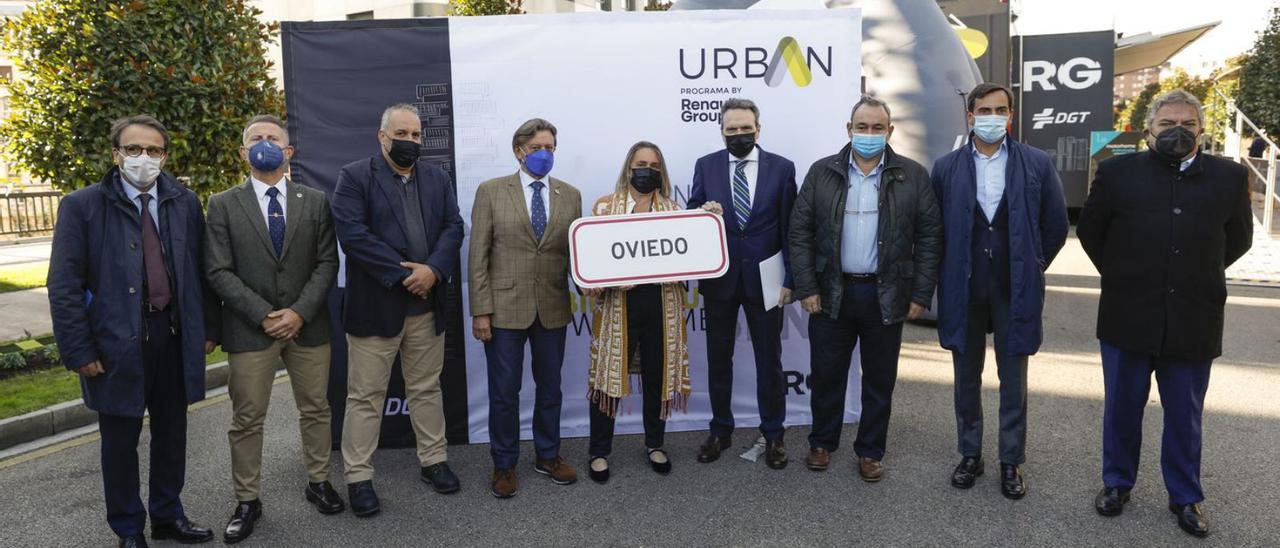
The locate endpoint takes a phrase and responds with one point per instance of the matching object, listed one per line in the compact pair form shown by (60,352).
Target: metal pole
(1235,154)
(1268,204)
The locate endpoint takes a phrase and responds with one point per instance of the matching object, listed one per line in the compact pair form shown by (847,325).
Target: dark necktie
(539,213)
(275,220)
(741,194)
(153,259)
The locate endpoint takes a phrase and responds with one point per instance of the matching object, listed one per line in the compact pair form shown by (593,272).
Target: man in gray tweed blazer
(271,256)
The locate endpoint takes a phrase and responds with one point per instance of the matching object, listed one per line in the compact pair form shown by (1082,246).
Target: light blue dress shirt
(134,196)
(858,253)
(990,174)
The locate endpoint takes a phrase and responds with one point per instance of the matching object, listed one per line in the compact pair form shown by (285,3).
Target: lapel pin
(299,195)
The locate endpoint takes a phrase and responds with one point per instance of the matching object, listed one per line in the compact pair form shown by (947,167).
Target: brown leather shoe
(775,454)
(560,472)
(710,450)
(504,483)
(870,470)
(818,460)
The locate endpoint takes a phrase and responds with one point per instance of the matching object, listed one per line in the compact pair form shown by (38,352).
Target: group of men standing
(142,284)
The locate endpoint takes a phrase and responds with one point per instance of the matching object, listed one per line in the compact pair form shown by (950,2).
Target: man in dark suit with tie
(397,220)
(759,188)
(271,256)
(129,310)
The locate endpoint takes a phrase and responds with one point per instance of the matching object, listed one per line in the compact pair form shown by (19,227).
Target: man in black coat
(1161,226)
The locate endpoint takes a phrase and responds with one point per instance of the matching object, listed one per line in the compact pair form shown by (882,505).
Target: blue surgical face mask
(266,156)
(990,128)
(866,145)
(539,162)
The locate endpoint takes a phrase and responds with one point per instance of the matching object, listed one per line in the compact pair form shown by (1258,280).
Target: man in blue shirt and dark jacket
(1004,219)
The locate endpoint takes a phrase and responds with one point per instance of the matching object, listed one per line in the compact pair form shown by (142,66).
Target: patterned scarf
(610,362)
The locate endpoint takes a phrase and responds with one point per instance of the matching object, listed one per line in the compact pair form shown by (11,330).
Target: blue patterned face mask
(266,156)
(990,128)
(539,162)
(866,145)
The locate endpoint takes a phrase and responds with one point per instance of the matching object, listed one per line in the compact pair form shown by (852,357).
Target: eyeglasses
(137,150)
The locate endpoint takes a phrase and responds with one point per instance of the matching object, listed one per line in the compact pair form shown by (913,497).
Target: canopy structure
(1150,50)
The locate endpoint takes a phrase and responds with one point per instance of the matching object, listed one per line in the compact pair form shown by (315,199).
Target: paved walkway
(24,312)
(1261,264)
(25,253)
(54,498)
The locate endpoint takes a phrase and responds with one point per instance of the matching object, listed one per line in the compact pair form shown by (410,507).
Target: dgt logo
(1047,117)
(1078,73)
(756,62)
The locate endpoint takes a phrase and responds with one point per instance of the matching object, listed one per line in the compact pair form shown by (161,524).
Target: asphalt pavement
(54,497)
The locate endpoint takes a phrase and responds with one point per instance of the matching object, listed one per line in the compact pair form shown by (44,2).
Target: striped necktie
(741,194)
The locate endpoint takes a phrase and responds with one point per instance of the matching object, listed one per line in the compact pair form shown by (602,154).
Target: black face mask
(404,153)
(645,179)
(1175,143)
(740,145)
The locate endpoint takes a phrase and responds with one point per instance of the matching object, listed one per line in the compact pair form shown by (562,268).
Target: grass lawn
(24,276)
(28,392)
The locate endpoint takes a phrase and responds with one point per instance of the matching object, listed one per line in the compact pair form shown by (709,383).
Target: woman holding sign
(637,329)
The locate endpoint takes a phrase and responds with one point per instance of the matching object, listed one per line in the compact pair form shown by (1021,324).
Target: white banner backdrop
(607,80)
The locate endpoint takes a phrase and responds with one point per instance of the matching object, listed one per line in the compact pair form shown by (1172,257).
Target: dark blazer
(909,230)
(1162,240)
(368,217)
(766,231)
(1038,227)
(243,270)
(96,289)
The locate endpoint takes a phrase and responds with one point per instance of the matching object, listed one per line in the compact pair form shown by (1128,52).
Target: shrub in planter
(12,361)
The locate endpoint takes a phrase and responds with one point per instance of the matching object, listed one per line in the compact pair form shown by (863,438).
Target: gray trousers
(988,315)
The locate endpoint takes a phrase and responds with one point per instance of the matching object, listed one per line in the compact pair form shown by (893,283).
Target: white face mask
(141,171)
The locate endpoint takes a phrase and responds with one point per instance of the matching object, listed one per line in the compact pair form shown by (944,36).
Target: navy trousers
(1127,377)
(505,356)
(167,406)
(831,343)
(766,340)
(989,312)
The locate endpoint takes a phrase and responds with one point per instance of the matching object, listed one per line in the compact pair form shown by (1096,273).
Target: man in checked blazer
(271,256)
(519,278)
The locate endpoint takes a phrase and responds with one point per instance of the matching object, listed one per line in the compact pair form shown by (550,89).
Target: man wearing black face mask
(760,189)
(397,220)
(1161,227)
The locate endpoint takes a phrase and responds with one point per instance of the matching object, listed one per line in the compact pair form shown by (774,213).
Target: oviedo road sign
(613,250)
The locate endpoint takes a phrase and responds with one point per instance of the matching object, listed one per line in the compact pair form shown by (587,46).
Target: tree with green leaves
(198,67)
(1135,115)
(485,7)
(1259,96)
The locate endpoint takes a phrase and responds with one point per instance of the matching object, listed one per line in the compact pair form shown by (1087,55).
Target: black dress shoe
(710,450)
(1011,483)
(775,454)
(182,531)
(662,468)
(240,526)
(1110,501)
(441,478)
(967,472)
(598,476)
(364,501)
(136,541)
(1190,519)
(325,498)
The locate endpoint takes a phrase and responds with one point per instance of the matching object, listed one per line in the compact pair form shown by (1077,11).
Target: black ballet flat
(662,468)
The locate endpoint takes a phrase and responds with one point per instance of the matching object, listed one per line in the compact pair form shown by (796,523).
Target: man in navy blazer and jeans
(397,220)
(759,188)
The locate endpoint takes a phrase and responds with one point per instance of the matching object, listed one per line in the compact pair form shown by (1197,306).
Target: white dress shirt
(264,201)
(1187,163)
(751,170)
(989,175)
(526,184)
